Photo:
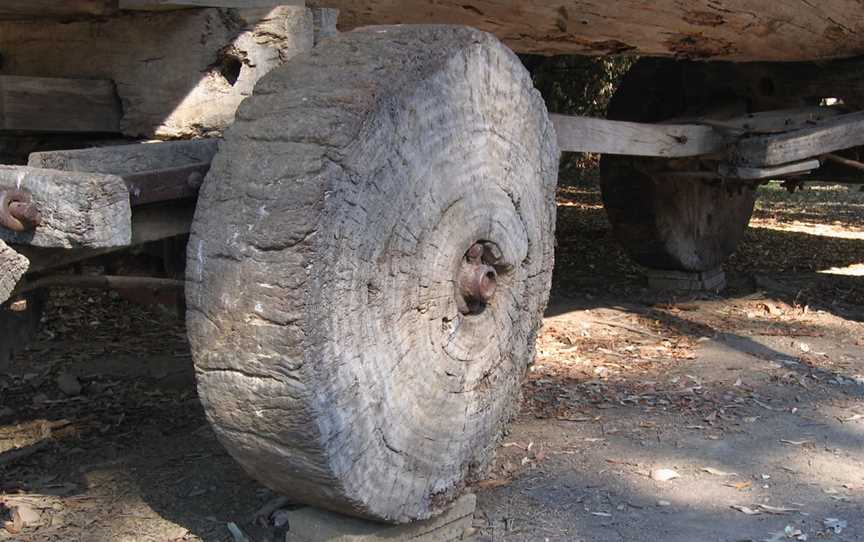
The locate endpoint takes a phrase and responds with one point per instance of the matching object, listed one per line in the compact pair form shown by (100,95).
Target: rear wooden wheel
(369,263)
(665,221)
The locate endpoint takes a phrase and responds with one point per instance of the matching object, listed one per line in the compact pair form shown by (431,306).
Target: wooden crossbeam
(51,104)
(843,132)
(586,134)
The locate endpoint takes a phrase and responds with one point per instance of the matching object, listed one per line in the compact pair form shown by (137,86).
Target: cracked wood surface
(740,30)
(331,355)
(12,268)
(78,210)
(178,74)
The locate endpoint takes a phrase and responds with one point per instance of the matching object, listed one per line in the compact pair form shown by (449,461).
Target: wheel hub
(478,278)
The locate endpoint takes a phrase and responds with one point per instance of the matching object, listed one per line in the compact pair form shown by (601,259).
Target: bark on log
(12,268)
(79,210)
(331,353)
(178,74)
(740,30)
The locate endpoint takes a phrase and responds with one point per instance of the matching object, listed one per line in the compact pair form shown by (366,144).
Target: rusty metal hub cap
(478,277)
(18,211)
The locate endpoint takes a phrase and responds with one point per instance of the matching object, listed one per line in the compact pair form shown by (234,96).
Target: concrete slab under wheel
(315,525)
(682,281)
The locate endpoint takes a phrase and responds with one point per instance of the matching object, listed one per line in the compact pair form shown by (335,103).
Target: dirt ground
(721,418)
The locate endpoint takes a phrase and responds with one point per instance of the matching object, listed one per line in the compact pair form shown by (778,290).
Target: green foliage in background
(577,85)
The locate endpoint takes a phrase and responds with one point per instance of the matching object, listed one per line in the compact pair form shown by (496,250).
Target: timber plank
(127,159)
(178,74)
(150,223)
(739,30)
(79,210)
(160,5)
(18,9)
(831,135)
(156,171)
(586,134)
(51,104)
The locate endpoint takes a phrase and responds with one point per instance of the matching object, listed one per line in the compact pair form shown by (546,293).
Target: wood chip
(717,472)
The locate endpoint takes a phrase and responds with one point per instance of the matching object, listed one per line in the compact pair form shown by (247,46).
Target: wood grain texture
(838,133)
(126,159)
(740,30)
(160,5)
(79,210)
(330,354)
(178,74)
(149,223)
(13,266)
(586,134)
(63,9)
(52,104)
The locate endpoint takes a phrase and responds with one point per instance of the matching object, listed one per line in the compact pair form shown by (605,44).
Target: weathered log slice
(368,267)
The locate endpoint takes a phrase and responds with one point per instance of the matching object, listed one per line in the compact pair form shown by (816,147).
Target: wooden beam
(128,159)
(101,282)
(162,5)
(78,210)
(12,267)
(834,134)
(179,74)
(741,30)
(63,9)
(153,172)
(150,223)
(585,134)
(50,104)
(771,122)
(774,172)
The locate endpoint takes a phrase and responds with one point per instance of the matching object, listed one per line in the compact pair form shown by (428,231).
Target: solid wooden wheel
(369,262)
(668,221)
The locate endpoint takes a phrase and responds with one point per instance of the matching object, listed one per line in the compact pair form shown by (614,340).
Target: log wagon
(370,212)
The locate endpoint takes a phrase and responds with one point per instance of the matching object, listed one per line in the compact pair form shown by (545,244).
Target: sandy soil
(751,401)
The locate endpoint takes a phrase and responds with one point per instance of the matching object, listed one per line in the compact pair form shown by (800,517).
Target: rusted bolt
(477,280)
(18,211)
